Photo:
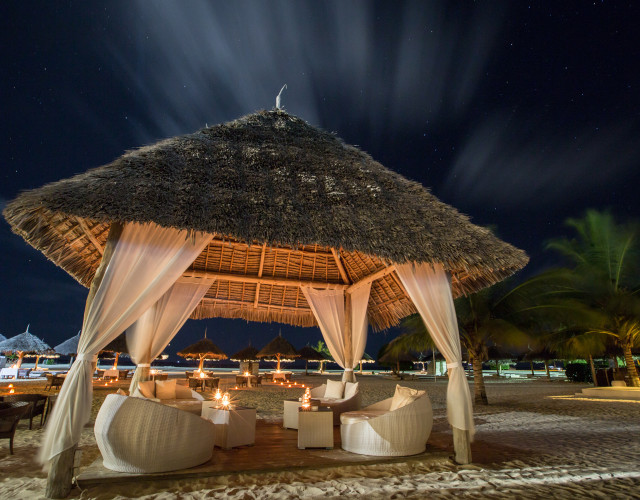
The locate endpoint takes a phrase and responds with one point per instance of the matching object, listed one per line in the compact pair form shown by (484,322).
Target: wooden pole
(349,376)
(461,446)
(61,466)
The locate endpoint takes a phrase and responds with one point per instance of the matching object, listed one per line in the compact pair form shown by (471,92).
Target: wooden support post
(461,446)
(349,376)
(61,466)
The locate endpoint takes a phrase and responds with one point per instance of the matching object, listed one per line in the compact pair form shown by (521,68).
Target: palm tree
(485,317)
(604,281)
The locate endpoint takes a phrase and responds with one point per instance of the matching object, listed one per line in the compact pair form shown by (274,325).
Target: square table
(234,427)
(315,428)
(290,415)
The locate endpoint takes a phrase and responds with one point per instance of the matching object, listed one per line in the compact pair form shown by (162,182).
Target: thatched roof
(246,354)
(286,202)
(119,345)
(69,347)
(203,348)
(310,354)
(367,359)
(2,337)
(278,345)
(25,342)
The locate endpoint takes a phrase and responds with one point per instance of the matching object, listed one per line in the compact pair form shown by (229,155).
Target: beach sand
(534,440)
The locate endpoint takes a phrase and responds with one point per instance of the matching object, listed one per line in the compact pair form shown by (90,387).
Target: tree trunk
(20,356)
(278,358)
(201,363)
(306,367)
(546,367)
(498,368)
(533,373)
(480,393)
(593,371)
(631,367)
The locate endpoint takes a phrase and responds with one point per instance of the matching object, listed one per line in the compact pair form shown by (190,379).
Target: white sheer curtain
(151,333)
(429,289)
(328,308)
(146,261)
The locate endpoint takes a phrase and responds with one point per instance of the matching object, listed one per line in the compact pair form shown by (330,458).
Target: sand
(534,440)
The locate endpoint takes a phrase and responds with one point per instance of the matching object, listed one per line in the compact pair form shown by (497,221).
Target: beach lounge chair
(340,398)
(140,436)
(385,429)
(37,404)
(10,415)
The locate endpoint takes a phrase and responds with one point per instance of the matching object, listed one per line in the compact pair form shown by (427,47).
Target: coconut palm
(604,281)
(485,317)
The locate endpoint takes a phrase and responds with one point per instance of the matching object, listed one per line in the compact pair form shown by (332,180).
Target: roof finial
(28,328)
(278,96)
(205,332)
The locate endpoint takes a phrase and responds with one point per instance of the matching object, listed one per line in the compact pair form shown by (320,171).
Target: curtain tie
(87,357)
(451,366)
(144,365)
(348,369)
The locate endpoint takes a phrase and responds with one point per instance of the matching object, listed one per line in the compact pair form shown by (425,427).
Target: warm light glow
(154,371)
(281,383)
(11,391)
(202,375)
(302,385)
(106,384)
(246,374)
(218,395)
(14,365)
(10,386)
(225,401)
(289,385)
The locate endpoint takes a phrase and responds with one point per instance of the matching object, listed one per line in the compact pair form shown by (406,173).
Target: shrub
(578,372)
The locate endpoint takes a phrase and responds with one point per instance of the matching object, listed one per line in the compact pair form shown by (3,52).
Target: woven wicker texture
(401,432)
(137,435)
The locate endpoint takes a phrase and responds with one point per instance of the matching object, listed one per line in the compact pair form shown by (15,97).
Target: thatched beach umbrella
(287,206)
(366,359)
(203,349)
(280,349)
(247,354)
(2,338)
(26,344)
(69,347)
(114,349)
(310,354)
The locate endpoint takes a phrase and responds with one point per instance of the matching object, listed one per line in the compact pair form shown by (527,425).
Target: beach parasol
(366,359)
(114,349)
(310,354)
(246,354)
(203,349)
(69,347)
(2,338)
(395,354)
(26,344)
(278,348)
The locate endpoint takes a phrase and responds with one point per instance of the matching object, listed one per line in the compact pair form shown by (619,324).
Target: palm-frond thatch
(287,204)
(203,347)
(279,346)
(310,354)
(69,347)
(249,353)
(25,343)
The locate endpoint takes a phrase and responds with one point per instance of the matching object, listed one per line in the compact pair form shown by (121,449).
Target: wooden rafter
(371,278)
(343,272)
(264,249)
(239,278)
(90,235)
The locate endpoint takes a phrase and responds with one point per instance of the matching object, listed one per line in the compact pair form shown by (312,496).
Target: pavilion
(264,218)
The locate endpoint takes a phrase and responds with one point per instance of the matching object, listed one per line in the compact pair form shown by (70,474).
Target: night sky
(518,114)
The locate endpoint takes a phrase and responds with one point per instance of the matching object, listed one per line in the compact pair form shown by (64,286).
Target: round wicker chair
(142,436)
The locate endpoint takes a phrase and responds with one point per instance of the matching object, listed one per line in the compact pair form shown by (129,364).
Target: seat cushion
(166,389)
(335,389)
(404,396)
(147,389)
(350,389)
(351,417)
(329,401)
(183,392)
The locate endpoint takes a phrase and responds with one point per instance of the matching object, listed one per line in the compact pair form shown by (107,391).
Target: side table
(235,427)
(315,428)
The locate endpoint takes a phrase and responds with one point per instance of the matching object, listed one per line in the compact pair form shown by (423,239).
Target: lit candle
(11,391)
(225,401)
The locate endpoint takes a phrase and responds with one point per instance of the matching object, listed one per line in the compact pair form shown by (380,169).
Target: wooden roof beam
(371,278)
(90,235)
(265,280)
(264,249)
(343,272)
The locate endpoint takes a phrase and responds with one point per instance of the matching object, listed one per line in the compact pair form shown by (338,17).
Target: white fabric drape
(146,261)
(328,308)
(151,333)
(429,289)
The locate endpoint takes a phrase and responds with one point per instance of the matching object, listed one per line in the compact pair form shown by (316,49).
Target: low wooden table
(290,414)
(315,428)
(235,427)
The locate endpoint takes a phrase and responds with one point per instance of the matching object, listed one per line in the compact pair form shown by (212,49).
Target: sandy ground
(534,440)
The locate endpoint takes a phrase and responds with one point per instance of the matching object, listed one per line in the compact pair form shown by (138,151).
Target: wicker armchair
(37,402)
(10,415)
(338,406)
(141,436)
(375,430)
(241,381)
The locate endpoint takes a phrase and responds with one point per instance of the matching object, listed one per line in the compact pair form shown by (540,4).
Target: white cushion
(166,389)
(350,389)
(351,417)
(404,396)
(147,389)
(183,392)
(335,389)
